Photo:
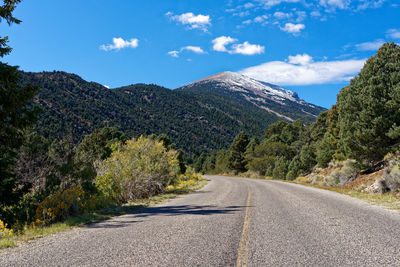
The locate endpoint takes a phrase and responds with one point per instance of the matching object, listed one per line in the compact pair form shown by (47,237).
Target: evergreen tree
(274,131)
(324,151)
(15,116)
(307,158)
(182,162)
(281,168)
(6,13)
(237,161)
(168,144)
(198,164)
(221,162)
(319,127)
(369,108)
(209,163)
(294,169)
(249,153)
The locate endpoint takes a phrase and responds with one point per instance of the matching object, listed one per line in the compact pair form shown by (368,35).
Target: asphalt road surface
(231,221)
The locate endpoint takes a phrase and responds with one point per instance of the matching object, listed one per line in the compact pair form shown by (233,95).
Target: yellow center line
(245,238)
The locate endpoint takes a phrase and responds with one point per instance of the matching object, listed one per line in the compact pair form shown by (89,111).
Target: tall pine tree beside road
(369,108)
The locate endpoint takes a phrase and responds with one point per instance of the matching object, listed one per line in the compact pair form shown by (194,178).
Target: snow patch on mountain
(272,98)
(242,83)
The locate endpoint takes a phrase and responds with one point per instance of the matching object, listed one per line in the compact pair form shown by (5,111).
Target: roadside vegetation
(187,183)
(352,146)
(49,184)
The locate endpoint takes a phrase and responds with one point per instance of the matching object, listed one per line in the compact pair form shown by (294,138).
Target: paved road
(231,221)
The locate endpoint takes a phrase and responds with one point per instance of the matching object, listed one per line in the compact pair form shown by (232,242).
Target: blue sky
(310,46)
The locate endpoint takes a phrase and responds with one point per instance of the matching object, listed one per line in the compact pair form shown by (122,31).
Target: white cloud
(301,15)
(261,19)
(119,43)
(333,4)
(247,49)
(270,3)
(282,15)
(242,13)
(393,33)
(248,5)
(174,53)
(195,49)
(305,71)
(191,20)
(303,59)
(370,4)
(298,16)
(315,13)
(370,46)
(106,86)
(293,28)
(230,10)
(220,43)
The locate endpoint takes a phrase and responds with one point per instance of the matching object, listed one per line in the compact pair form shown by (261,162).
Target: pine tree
(198,164)
(324,151)
(369,108)
(294,169)
(249,153)
(6,13)
(15,116)
(307,158)
(281,168)
(237,161)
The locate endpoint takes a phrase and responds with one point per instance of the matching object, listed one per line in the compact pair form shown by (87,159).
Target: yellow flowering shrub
(4,231)
(189,179)
(60,205)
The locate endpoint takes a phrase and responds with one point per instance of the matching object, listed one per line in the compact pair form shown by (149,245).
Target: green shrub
(140,169)
(391,175)
(343,174)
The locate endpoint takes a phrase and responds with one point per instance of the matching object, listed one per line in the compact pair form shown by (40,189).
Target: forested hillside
(196,121)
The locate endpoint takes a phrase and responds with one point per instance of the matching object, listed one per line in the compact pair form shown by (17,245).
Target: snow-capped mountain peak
(272,98)
(238,82)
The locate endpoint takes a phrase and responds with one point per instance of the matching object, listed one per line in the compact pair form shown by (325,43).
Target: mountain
(274,99)
(201,116)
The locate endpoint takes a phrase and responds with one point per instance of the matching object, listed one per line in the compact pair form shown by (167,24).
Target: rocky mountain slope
(276,100)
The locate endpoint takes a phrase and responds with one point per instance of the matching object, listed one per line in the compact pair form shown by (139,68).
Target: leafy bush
(344,173)
(140,169)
